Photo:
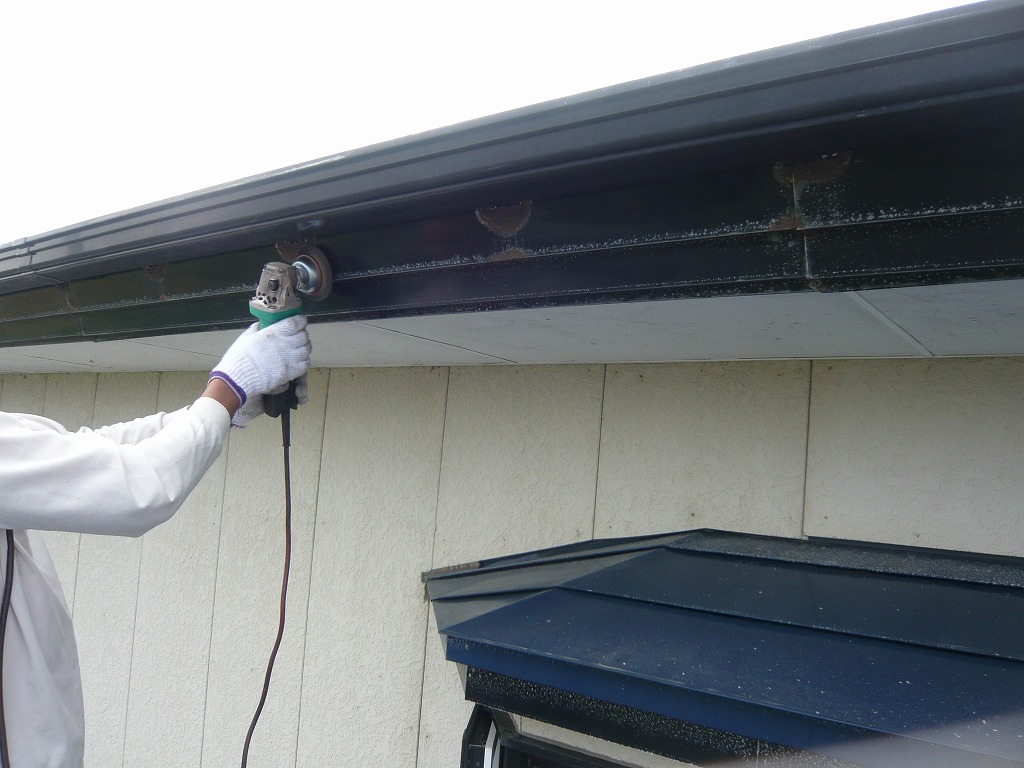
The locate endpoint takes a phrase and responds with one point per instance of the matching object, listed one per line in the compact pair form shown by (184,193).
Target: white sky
(112,104)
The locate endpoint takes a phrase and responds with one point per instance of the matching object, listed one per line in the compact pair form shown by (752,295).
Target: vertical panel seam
(433,545)
(131,658)
(597,463)
(807,448)
(309,572)
(213,602)
(440,464)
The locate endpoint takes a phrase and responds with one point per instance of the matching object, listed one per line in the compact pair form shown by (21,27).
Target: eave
(859,165)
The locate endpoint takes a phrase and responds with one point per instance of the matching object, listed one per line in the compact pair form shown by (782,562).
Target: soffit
(916,322)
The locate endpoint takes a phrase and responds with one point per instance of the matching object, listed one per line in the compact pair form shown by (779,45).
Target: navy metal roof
(872,654)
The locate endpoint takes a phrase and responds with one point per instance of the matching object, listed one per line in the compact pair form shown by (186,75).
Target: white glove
(263,361)
(254,405)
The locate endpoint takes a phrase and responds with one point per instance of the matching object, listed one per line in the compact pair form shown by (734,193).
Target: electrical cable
(286,441)
(5,609)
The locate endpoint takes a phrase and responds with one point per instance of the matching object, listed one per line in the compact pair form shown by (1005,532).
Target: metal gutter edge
(836,77)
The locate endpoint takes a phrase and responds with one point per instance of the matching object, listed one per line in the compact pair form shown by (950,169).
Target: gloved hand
(254,405)
(263,361)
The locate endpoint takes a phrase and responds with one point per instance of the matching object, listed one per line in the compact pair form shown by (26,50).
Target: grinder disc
(313,261)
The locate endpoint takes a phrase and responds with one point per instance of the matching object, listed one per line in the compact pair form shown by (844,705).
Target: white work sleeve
(132,432)
(88,482)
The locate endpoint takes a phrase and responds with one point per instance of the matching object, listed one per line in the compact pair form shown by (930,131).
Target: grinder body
(276,295)
(306,273)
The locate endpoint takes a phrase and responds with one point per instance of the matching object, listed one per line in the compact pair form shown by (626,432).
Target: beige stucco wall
(397,471)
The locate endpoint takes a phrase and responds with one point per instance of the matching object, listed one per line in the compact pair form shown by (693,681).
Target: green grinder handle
(267,318)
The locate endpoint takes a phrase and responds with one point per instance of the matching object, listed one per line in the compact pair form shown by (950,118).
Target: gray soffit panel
(920,322)
(877,655)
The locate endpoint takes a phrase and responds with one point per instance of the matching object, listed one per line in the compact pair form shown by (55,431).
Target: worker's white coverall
(124,480)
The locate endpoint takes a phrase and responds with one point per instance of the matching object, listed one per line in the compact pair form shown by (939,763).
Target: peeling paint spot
(506,220)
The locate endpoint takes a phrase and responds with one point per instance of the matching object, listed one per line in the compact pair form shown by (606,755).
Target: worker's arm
(218,390)
(132,432)
(117,481)
(85,482)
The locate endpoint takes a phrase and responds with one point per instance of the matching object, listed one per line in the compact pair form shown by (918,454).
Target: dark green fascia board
(922,252)
(853,220)
(725,180)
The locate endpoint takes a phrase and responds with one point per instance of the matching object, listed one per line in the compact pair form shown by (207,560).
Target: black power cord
(5,609)
(280,404)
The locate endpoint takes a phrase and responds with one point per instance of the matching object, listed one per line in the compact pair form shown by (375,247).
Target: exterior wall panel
(397,471)
(717,445)
(375,521)
(923,453)
(518,473)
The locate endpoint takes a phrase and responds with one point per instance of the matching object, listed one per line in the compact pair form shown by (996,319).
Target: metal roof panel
(815,645)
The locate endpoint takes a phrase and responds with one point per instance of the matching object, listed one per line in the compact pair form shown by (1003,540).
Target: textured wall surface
(397,471)
(925,453)
(712,445)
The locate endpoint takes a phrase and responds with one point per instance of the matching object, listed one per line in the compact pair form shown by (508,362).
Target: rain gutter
(794,169)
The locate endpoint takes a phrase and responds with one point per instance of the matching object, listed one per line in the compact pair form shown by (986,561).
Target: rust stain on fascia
(290,251)
(787,222)
(510,254)
(825,169)
(507,220)
(156,272)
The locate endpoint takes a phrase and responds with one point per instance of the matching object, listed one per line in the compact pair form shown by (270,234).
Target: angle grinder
(306,272)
